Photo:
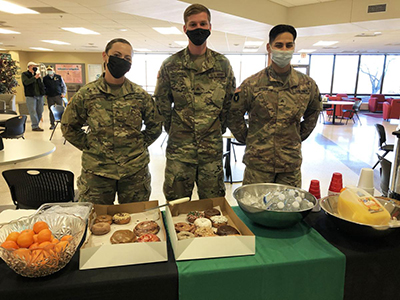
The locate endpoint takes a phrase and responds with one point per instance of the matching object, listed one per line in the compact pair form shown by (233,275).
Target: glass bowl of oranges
(41,244)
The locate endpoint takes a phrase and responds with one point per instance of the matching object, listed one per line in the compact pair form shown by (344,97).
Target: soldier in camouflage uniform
(276,99)
(115,157)
(194,91)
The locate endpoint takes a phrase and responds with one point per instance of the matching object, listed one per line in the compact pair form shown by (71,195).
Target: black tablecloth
(372,265)
(148,281)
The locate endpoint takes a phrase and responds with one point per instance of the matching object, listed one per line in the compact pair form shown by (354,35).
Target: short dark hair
(281,28)
(117,40)
(195,9)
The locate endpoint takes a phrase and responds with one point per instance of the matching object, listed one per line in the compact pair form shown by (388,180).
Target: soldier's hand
(37,75)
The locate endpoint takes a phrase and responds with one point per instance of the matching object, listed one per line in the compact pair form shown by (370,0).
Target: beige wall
(53,57)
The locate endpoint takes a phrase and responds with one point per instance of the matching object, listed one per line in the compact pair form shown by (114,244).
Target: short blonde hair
(195,9)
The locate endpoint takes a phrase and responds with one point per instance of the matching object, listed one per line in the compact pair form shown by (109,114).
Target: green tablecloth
(295,263)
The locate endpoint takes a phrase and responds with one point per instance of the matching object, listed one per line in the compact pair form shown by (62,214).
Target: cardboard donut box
(95,255)
(210,247)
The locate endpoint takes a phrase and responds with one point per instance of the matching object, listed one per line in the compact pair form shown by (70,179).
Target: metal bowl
(270,218)
(329,206)
(45,261)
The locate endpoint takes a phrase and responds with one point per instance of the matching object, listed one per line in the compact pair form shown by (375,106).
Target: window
(391,83)
(252,64)
(154,62)
(370,76)
(321,72)
(345,74)
(138,70)
(235,61)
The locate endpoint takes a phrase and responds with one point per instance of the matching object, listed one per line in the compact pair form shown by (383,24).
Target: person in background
(283,106)
(193,93)
(34,92)
(115,153)
(55,90)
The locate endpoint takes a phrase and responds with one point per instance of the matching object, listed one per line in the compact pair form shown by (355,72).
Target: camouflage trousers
(256,176)
(180,178)
(101,190)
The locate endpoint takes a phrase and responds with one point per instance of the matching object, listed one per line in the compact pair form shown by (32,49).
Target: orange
(23,253)
(30,231)
(39,226)
(13,236)
(66,238)
(44,236)
(61,246)
(9,245)
(44,244)
(25,239)
(35,237)
(54,241)
(34,246)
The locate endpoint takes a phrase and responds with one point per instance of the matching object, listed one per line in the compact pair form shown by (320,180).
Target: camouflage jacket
(195,105)
(115,145)
(281,116)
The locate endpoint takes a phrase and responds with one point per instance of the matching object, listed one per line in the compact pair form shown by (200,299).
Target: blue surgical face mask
(50,72)
(281,58)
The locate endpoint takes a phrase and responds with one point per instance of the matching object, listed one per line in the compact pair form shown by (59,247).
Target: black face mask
(198,36)
(34,69)
(118,67)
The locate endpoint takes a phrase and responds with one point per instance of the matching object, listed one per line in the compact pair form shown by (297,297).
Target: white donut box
(98,252)
(209,247)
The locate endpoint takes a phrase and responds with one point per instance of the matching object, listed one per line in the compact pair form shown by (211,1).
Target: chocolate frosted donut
(227,230)
(121,218)
(146,227)
(123,237)
(208,213)
(101,228)
(103,218)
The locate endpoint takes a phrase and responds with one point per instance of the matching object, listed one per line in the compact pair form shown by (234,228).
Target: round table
(22,150)
(5,117)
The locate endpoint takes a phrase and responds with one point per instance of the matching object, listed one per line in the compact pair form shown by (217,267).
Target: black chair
(352,112)
(14,128)
(382,142)
(235,142)
(30,188)
(57,111)
(386,167)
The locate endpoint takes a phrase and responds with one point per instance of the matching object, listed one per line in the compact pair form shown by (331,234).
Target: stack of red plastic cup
(315,189)
(336,184)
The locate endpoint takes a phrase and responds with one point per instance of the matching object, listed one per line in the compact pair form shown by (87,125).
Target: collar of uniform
(105,87)
(208,62)
(293,78)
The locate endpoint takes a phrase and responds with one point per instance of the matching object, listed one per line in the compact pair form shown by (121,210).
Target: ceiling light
(79,30)
(123,29)
(55,42)
(167,30)
(182,43)
(142,49)
(1,49)
(326,43)
(377,33)
(15,9)
(250,50)
(306,50)
(253,43)
(40,49)
(6,31)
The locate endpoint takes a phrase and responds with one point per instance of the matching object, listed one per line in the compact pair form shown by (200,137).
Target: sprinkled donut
(146,227)
(146,238)
(194,215)
(101,228)
(121,218)
(203,222)
(182,226)
(103,218)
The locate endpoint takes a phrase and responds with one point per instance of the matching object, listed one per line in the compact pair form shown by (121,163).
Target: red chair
(339,108)
(375,102)
(391,109)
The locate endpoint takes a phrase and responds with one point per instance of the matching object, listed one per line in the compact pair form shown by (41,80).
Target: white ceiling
(230,28)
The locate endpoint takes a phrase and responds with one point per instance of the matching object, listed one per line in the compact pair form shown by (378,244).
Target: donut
(146,227)
(103,218)
(193,215)
(101,228)
(203,222)
(227,230)
(182,226)
(123,237)
(219,221)
(183,235)
(149,237)
(121,218)
(204,231)
(208,213)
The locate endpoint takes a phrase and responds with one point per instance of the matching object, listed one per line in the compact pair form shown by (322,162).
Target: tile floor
(330,148)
